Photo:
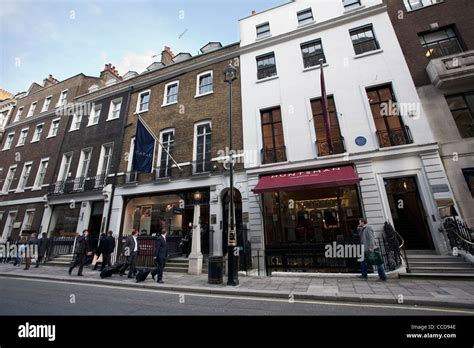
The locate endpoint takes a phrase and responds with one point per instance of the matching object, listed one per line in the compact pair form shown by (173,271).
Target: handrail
(403,240)
(462,238)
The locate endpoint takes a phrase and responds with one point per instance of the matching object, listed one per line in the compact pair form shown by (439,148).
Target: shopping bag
(373,258)
(97,259)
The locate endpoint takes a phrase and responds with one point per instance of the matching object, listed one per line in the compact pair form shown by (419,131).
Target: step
(419,252)
(455,263)
(435,275)
(443,269)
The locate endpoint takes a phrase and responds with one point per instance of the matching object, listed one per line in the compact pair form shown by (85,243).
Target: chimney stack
(253,12)
(109,72)
(49,81)
(167,56)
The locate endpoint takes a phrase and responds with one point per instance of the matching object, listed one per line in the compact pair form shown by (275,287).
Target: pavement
(418,292)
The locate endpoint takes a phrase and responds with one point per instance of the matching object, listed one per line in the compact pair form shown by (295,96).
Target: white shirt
(136,243)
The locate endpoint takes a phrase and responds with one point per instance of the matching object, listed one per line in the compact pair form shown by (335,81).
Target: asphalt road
(43,297)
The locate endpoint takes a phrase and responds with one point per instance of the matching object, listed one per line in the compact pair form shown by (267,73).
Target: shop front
(307,212)
(168,211)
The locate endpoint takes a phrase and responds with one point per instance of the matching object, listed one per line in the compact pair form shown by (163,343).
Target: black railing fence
(61,246)
(330,258)
(81,184)
(459,234)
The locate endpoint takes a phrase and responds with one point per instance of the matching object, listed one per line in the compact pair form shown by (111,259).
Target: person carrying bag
(372,256)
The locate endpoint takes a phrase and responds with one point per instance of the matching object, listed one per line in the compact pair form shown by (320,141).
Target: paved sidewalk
(422,292)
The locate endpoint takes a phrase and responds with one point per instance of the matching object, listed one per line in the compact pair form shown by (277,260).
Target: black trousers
(106,261)
(160,266)
(131,262)
(80,260)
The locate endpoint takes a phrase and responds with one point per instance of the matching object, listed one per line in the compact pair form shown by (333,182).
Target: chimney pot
(254,12)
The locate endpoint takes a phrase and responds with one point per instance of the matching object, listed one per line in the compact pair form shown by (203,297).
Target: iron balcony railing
(268,71)
(337,146)
(273,155)
(394,137)
(81,184)
(202,166)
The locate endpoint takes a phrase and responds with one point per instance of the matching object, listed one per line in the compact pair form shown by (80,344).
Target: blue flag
(144,150)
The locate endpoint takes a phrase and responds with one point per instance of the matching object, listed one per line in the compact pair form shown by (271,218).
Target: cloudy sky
(66,37)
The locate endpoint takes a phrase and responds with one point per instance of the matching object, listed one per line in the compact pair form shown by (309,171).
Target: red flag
(324,103)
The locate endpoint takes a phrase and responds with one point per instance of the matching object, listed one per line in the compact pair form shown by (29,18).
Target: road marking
(251,298)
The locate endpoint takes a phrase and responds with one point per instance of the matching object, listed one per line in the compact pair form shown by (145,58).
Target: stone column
(195,258)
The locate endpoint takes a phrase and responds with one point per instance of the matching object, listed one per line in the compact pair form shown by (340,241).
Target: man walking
(43,248)
(367,240)
(100,251)
(131,250)
(109,248)
(161,256)
(82,251)
(32,249)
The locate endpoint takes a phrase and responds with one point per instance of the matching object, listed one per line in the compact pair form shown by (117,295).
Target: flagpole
(324,104)
(157,140)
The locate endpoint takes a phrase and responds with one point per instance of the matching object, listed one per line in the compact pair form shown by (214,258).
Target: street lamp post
(230,73)
(195,257)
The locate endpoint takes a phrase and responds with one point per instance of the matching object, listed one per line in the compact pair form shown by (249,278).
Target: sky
(67,37)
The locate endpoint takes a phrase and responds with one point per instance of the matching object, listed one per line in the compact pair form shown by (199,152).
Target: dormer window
(263,30)
(93,88)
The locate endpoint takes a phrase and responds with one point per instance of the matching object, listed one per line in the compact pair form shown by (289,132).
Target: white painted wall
(347,76)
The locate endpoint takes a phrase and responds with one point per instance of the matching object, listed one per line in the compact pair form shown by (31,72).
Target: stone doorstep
(235,291)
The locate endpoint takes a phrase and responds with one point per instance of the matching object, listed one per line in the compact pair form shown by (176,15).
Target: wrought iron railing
(61,246)
(395,247)
(266,72)
(337,146)
(394,137)
(273,155)
(459,234)
(80,184)
(202,166)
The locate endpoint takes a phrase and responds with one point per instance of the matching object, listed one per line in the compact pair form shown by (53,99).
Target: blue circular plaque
(361,141)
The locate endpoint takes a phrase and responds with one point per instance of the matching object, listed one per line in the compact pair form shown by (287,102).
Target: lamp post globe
(230,75)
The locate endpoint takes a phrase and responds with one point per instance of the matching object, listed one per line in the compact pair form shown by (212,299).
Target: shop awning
(308,179)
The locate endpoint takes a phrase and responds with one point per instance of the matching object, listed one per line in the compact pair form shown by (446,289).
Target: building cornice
(315,28)
(188,66)
(385,154)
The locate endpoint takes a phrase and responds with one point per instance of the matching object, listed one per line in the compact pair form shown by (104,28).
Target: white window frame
(139,98)
(102,157)
(93,115)
(196,125)
(8,144)
(35,137)
(61,173)
(23,182)
(38,185)
(6,188)
(160,149)
(165,94)
(18,114)
(77,118)
(130,154)
(62,101)
(198,80)
(113,102)
(46,104)
(80,166)
(306,21)
(424,4)
(9,223)
(51,128)
(26,137)
(32,109)
(265,35)
(25,219)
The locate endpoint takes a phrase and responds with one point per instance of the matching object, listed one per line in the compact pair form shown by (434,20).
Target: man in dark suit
(108,250)
(82,251)
(130,250)
(160,256)
(43,248)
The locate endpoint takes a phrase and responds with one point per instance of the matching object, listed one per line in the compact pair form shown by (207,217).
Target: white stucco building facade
(383,153)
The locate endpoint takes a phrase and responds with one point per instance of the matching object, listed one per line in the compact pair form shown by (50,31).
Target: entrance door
(95,221)
(407,211)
